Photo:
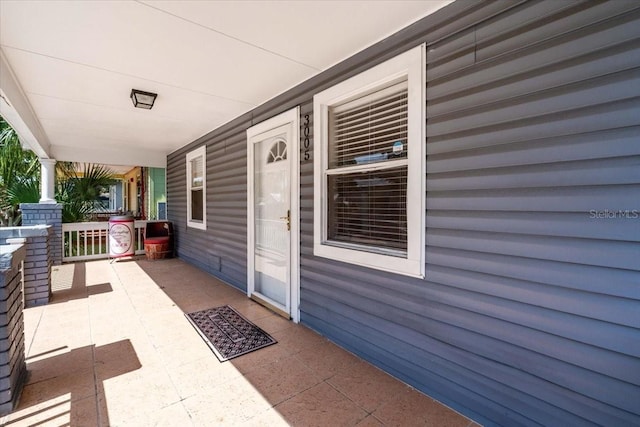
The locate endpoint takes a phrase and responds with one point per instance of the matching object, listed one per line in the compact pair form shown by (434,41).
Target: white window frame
(410,65)
(198,152)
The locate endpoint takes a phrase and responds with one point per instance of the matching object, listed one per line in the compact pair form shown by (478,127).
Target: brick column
(13,369)
(47,214)
(37,262)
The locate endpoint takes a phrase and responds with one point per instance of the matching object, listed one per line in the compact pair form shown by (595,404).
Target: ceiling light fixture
(142,99)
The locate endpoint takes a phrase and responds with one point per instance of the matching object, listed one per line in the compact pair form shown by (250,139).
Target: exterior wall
(116,201)
(532,131)
(13,369)
(222,249)
(130,180)
(156,191)
(528,313)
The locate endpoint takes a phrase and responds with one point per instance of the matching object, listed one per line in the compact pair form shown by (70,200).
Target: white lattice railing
(90,240)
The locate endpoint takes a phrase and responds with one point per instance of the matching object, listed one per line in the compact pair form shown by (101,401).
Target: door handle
(288,218)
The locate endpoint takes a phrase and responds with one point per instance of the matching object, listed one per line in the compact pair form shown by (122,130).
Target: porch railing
(90,240)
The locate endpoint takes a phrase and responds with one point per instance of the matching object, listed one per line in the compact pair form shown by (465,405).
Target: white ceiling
(209,61)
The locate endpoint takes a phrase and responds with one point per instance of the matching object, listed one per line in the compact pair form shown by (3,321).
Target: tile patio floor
(113,348)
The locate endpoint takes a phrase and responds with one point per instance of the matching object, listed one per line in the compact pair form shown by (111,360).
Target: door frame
(292,118)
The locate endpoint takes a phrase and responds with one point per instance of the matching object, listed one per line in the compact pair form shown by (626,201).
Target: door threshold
(271,307)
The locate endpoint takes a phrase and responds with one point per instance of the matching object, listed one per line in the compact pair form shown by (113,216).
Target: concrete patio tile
(107,335)
(282,379)
(43,351)
(155,312)
(59,362)
(412,408)
(116,359)
(115,349)
(59,306)
(202,376)
(298,338)
(271,418)
(171,329)
(84,412)
(56,411)
(222,291)
(32,317)
(183,351)
(119,314)
(145,352)
(50,337)
(326,359)
(172,415)
(258,360)
(239,403)
(127,328)
(189,298)
(367,385)
(76,384)
(147,298)
(105,301)
(251,311)
(273,323)
(62,276)
(321,406)
(167,343)
(370,421)
(67,314)
(137,394)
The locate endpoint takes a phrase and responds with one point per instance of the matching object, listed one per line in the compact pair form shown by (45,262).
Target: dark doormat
(227,333)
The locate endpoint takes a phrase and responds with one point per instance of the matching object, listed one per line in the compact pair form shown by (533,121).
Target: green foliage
(24,191)
(19,176)
(79,187)
(9,214)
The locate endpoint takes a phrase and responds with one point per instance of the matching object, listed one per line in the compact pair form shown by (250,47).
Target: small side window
(197,189)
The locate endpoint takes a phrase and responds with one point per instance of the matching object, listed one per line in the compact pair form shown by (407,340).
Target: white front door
(272,272)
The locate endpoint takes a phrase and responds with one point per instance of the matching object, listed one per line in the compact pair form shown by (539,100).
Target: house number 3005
(305,133)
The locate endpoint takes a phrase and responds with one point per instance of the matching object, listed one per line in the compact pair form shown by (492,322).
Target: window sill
(198,225)
(389,263)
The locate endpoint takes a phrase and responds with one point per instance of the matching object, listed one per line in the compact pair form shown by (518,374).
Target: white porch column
(47,180)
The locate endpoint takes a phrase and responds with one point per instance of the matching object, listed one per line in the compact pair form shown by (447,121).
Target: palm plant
(79,187)
(19,176)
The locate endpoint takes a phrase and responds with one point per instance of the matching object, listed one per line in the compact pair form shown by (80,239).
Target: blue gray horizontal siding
(221,249)
(529,313)
(529,130)
(530,305)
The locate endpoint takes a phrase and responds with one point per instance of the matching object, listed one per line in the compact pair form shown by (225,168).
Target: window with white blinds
(196,188)
(369,207)
(369,167)
(369,129)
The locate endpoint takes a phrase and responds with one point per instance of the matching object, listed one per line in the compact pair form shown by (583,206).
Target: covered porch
(113,348)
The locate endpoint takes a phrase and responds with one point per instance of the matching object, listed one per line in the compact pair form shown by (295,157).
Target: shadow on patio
(114,349)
